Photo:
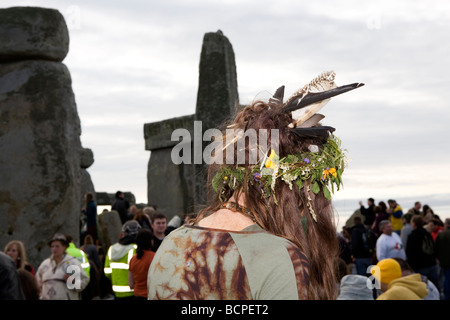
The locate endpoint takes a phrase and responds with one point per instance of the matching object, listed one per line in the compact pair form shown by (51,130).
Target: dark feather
(277,98)
(312,97)
(313,132)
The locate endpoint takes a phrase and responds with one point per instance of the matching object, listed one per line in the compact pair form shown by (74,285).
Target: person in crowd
(433,292)
(99,285)
(420,251)
(416,209)
(16,250)
(10,287)
(118,258)
(363,244)
(443,255)
(354,287)
(55,273)
(427,211)
(435,226)
(272,225)
(132,212)
(395,212)
(345,251)
(159,224)
(428,215)
(93,289)
(77,253)
(407,228)
(29,285)
(143,219)
(121,206)
(150,211)
(389,244)
(383,206)
(140,263)
(90,211)
(380,215)
(395,287)
(368,213)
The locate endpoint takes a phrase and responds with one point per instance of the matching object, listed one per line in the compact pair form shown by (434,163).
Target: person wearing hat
(61,276)
(117,261)
(354,287)
(395,287)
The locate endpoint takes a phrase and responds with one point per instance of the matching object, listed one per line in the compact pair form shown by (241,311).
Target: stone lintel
(158,135)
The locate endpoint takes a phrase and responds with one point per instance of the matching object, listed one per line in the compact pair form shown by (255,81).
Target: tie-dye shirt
(197,263)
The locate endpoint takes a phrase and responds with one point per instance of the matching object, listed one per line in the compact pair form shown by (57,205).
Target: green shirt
(203,263)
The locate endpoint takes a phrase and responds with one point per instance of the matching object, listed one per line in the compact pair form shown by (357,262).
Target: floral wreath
(305,169)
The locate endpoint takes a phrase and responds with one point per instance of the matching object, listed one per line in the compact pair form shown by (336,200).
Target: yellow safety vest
(116,268)
(80,255)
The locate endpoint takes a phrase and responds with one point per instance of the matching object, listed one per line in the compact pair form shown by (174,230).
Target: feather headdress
(316,171)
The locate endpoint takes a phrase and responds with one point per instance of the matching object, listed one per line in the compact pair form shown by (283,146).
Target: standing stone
(33,33)
(109,227)
(217,97)
(40,147)
(178,189)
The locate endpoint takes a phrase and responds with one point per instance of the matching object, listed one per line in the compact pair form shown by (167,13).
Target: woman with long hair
(16,250)
(140,262)
(268,232)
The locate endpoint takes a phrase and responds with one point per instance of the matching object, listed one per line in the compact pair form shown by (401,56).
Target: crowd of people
(87,272)
(410,250)
(406,253)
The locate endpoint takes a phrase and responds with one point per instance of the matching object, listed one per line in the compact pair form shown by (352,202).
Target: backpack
(369,240)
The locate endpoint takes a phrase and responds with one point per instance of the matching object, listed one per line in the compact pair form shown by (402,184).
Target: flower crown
(312,170)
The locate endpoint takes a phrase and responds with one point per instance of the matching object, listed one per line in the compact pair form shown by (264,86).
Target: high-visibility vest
(117,270)
(81,256)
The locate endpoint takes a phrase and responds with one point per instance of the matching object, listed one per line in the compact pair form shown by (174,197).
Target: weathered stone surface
(86,185)
(109,227)
(32,33)
(217,96)
(86,158)
(39,155)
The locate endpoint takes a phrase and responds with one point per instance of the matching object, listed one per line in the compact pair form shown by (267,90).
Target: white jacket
(52,282)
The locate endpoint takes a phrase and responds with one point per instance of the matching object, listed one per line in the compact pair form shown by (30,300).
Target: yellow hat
(388,270)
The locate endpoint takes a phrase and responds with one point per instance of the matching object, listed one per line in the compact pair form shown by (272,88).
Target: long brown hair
(290,217)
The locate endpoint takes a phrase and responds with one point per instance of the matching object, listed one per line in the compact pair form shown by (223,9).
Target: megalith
(40,149)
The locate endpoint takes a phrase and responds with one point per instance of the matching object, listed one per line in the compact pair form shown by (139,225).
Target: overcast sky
(134,62)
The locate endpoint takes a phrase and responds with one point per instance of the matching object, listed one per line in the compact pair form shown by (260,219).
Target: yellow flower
(271,161)
(325,174)
(328,171)
(333,172)
(270,164)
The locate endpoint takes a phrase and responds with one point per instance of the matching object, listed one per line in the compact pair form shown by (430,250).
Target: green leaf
(215,181)
(326,192)
(315,188)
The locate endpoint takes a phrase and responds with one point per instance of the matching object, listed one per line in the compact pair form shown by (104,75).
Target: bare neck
(226,220)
